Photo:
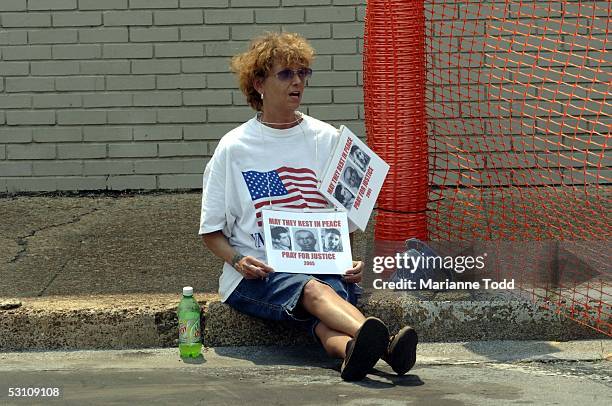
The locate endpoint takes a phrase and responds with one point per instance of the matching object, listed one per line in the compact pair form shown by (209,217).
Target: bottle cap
(187,291)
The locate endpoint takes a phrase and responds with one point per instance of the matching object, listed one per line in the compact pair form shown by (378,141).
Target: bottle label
(189,328)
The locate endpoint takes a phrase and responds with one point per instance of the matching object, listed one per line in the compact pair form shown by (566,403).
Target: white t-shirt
(252,165)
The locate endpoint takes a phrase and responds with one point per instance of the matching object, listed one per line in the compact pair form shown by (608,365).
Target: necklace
(298,118)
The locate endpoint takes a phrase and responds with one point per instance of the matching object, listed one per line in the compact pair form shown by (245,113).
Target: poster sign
(353,178)
(307,242)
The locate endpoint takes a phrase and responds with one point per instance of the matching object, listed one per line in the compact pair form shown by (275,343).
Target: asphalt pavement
(471,373)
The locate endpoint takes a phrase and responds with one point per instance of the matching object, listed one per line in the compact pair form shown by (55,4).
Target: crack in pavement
(22,241)
(44,289)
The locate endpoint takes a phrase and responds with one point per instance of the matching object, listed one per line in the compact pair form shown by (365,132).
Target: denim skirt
(277,296)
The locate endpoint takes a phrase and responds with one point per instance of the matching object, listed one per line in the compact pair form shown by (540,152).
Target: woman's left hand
(354,274)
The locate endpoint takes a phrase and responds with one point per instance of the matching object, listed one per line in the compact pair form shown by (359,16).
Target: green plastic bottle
(190,344)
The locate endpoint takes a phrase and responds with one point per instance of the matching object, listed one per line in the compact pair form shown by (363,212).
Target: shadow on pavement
(302,356)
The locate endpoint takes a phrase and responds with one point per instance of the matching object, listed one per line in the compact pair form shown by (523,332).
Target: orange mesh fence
(516,124)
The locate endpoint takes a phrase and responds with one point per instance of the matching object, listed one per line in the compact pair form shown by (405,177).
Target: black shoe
(401,353)
(365,349)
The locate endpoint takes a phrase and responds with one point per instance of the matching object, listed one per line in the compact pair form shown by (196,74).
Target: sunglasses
(286,75)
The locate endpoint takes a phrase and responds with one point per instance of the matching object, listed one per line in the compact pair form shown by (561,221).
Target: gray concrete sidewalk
(474,373)
(103,245)
(106,271)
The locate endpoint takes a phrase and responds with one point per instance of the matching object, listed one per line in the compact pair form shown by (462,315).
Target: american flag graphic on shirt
(288,187)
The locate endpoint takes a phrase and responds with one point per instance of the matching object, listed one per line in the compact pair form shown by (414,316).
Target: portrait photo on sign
(344,196)
(360,158)
(332,240)
(305,239)
(352,178)
(281,238)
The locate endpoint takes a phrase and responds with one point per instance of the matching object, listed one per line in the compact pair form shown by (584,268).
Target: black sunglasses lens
(285,74)
(304,73)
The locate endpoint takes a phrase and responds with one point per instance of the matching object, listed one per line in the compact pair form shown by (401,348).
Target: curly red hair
(288,49)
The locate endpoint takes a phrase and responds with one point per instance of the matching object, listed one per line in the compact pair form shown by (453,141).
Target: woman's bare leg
(337,314)
(333,341)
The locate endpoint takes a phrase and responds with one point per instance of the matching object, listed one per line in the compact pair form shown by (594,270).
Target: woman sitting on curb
(244,170)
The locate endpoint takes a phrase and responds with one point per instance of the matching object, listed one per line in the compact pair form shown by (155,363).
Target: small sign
(315,242)
(353,178)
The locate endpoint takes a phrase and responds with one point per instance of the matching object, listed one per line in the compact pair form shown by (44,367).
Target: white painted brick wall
(135,94)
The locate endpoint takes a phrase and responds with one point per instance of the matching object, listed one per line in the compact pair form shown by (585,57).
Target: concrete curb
(144,321)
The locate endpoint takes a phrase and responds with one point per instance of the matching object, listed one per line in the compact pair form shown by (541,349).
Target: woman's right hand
(249,267)
(252,268)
